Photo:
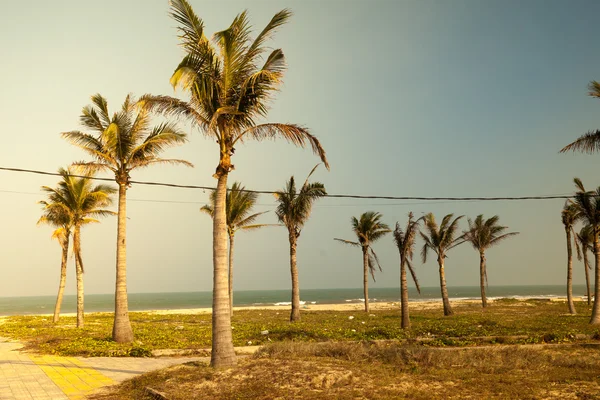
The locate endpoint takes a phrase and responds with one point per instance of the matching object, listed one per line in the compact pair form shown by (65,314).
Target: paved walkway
(28,376)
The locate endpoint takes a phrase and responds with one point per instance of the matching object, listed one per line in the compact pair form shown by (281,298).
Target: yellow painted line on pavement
(74,377)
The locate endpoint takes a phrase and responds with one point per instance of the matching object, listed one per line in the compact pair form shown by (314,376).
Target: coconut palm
(589,209)
(570,215)
(293,210)
(405,241)
(368,229)
(585,237)
(483,234)
(122,143)
(590,141)
(238,205)
(441,240)
(74,203)
(230,83)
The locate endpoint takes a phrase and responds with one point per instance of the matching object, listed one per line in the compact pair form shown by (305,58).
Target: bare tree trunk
(445,300)
(570,272)
(231,274)
(122,332)
(482,276)
(223,353)
(78,274)
(366,277)
(295,314)
(63,279)
(404,294)
(595,320)
(586,265)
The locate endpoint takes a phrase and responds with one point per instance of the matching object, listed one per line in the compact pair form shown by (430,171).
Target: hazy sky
(409,98)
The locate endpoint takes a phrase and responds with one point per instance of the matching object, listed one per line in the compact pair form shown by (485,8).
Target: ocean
(160,301)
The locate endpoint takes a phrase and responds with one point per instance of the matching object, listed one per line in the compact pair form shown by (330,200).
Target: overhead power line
(341,196)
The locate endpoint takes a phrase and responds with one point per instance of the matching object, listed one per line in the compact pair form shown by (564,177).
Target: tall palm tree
(570,215)
(585,237)
(122,143)
(293,210)
(441,240)
(78,201)
(589,208)
(483,234)
(405,241)
(238,205)
(230,83)
(58,218)
(590,141)
(368,229)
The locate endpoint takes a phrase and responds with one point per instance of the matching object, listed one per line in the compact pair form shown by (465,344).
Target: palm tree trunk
(570,271)
(295,314)
(482,275)
(78,275)
(231,274)
(63,279)
(595,320)
(445,300)
(586,265)
(404,294)
(122,332)
(223,354)
(366,277)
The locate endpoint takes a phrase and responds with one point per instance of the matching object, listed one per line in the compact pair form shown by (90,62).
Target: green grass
(503,322)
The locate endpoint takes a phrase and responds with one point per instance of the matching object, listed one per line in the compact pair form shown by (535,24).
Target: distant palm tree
(585,237)
(293,210)
(590,141)
(569,215)
(368,230)
(589,208)
(441,240)
(405,240)
(238,205)
(122,143)
(230,83)
(76,200)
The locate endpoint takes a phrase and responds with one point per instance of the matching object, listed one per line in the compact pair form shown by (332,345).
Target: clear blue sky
(409,98)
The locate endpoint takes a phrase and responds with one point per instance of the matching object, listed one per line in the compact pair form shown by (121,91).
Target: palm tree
(405,240)
(440,240)
(590,141)
(76,202)
(122,143)
(368,230)
(589,209)
(483,234)
(61,220)
(230,84)
(293,210)
(585,237)
(238,205)
(570,215)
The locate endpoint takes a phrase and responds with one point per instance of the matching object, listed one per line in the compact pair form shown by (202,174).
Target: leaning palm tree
(589,209)
(60,219)
(293,210)
(76,200)
(585,237)
(570,215)
(120,144)
(230,83)
(405,241)
(238,205)
(590,141)
(368,229)
(483,234)
(440,240)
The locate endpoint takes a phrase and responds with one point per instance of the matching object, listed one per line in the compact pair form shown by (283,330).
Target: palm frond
(413,274)
(348,242)
(586,143)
